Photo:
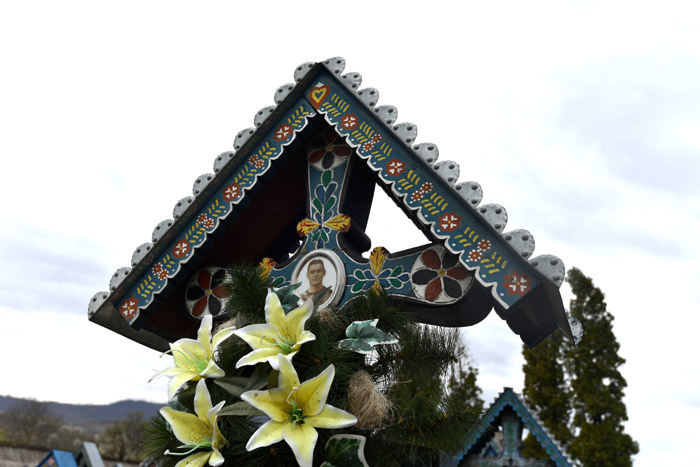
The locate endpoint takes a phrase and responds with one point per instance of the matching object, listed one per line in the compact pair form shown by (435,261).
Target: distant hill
(97,414)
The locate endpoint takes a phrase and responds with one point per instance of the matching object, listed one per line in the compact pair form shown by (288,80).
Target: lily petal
(189,355)
(216,458)
(213,412)
(274,313)
(188,428)
(312,393)
(258,356)
(331,417)
(269,433)
(258,335)
(195,460)
(288,378)
(213,370)
(302,439)
(177,381)
(273,402)
(296,318)
(220,336)
(204,334)
(202,400)
(304,337)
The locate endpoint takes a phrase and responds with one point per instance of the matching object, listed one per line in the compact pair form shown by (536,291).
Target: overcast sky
(581,118)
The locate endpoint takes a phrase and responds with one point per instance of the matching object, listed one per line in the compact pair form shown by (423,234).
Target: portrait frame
(334,276)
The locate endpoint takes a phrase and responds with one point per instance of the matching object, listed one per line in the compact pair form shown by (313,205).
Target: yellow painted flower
(296,410)
(197,431)
(194,359)
(279,334)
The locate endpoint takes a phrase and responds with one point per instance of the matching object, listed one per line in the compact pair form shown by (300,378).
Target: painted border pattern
(221,204)
(422,192)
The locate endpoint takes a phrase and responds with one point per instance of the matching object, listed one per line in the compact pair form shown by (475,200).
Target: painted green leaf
(239,409)
(329,204)
(326,177)
(317,204)
(396,271)
(395,283)
(345,451)
(363,335)
(359,285)
(324,236)
(360,274)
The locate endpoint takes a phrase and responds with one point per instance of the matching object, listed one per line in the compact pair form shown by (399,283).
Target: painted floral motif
(475,255)
(395,167)
(201,218)
(206,292)
(328,150)
(129,307)
(484,245)
(437,276)
(449,221)
(377,277)
(376,138)
(517,283)
(368,146)
(232,192)
(349,121)
(160,272)
(424,189)
(256,161)
(209,223)
(284,132)
(205,221)
(181,249)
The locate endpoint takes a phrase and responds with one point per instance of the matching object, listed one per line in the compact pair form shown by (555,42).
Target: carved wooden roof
(221,224)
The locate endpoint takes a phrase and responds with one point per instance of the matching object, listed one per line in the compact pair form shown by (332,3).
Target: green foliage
(547,391)
(408,367)
(462,382)
(578,390)
(598,385)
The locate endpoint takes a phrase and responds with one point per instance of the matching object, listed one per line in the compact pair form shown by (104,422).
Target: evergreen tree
(547,392)
(596,382)
(584,380)
(462,383)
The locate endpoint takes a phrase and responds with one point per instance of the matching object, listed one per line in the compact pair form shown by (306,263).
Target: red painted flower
(283,133)
(517,283)
(328,150)
(376,138)
(475,255)
(450,221)
(484,245)
(256,161)
(349,121)
(232,192)
(417,195)
(181,248)
(201,219)
(395,167)
(440,275)
(209,223)
(129,307)
(160,272)
(207,292)
(368,146)
(427,187)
